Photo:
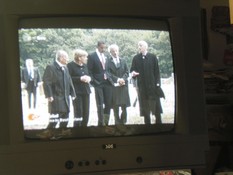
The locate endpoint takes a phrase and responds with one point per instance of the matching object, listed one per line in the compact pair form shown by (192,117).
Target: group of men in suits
(110,81)
(109,78)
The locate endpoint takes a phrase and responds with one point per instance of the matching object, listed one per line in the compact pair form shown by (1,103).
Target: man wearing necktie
(103,88)
(31,78)
(118,73)
(145,69)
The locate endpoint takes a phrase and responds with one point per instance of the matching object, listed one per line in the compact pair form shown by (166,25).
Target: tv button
(97,162)
(80,163)
(87,163)
(139,159)
(104,162)
(69,164)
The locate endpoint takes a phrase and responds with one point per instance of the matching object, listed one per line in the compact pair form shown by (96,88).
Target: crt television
(179,142)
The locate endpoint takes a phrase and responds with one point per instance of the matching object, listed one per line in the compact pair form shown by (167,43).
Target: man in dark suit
(145,68)
(118,72)
(58,87)
(31,78)
(103,88)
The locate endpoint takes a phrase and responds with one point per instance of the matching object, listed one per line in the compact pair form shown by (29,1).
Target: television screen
(123,104)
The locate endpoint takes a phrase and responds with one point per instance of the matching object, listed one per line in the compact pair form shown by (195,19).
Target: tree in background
(42,44)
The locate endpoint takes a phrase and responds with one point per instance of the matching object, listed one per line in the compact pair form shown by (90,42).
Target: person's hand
(50,99)
(134,74)
(85,79)
(121,81)
(88,79)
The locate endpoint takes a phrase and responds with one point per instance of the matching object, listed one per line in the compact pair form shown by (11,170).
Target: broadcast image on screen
(63,96)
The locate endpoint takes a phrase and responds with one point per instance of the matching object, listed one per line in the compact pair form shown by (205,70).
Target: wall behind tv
(216,41)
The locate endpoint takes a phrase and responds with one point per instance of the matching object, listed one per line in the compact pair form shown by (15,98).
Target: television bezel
(131,154)
(102,22)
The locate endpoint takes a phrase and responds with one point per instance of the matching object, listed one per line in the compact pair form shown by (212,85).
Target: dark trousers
(120,118)
(147,119)
(151,106)
(81,108)
(103,95)
(31,90)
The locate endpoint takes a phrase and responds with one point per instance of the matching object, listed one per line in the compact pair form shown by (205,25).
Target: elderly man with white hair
(58,87)
(118,72)
(145,69)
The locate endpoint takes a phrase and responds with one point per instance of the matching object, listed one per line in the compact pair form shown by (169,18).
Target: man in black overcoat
(118,73)
(58,87)
(145,68)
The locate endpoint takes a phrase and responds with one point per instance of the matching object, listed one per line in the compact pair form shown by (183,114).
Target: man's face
(30,63)
(101,48)
(64,59)
(114,52)
(141,48)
